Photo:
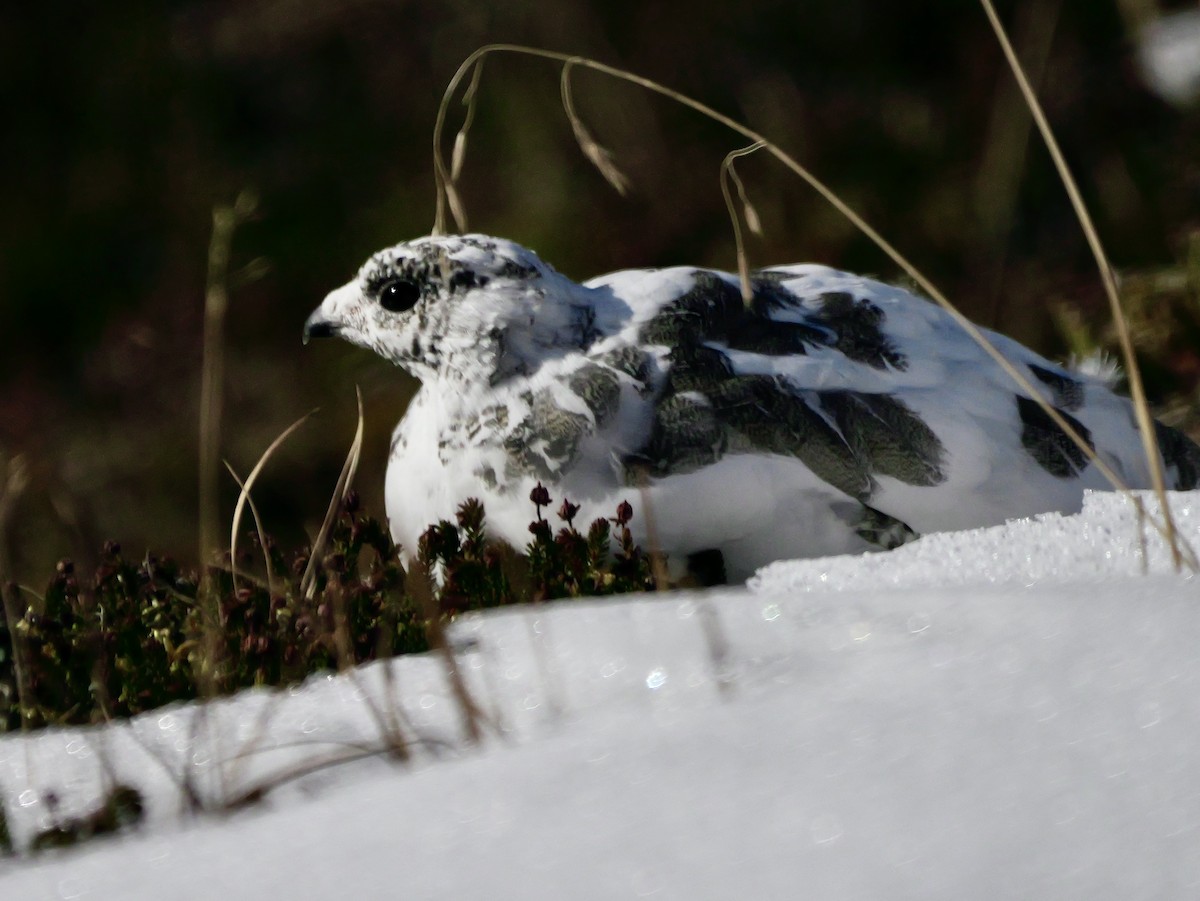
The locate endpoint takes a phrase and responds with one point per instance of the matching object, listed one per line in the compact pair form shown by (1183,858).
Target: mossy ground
(139,633)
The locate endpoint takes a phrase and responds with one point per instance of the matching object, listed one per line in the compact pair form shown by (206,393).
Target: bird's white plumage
(833,414)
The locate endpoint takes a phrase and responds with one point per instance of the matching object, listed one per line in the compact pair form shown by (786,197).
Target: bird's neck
(511,334)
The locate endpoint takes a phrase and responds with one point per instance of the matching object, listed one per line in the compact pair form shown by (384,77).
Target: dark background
(125,123)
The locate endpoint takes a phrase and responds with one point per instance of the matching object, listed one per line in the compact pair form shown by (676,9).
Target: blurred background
(128,121)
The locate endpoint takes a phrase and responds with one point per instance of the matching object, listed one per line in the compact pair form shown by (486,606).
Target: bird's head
(426,304)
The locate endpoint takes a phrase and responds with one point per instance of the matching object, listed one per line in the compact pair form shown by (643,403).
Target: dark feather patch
(697,368)
(705,313)
(546,441)
(1066,393)
(1048,444)
(632,361)
(748,414)
(761,414)
(1181,453)
(857,327)
(685,436)
(888,437)
(882,530)
(599,388)
(713,311)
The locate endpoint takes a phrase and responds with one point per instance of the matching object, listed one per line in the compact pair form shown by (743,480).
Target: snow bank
(1102,542)
(1009,713)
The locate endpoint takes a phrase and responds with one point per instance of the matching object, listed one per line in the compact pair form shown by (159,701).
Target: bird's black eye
(399,295)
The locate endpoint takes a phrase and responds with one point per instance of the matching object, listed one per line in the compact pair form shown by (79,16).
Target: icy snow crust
(1096,545)
(1006,713)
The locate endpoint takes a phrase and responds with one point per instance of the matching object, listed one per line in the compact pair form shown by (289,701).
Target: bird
(828,413)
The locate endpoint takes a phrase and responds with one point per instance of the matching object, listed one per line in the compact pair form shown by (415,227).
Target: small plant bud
(65,567)
(470,514)
(567,511)
(540,496)
(112,548)
(351,503)
(624,513)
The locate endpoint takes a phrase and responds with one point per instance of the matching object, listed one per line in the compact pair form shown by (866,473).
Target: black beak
(318,327)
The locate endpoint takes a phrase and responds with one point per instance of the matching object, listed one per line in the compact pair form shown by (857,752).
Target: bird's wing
(878,392)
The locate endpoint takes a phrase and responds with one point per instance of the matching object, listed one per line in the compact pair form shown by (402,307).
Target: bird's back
(877,393)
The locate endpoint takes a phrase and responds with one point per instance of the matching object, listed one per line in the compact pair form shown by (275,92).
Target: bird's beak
(318,326)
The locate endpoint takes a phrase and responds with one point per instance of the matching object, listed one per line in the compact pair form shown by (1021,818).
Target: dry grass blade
(447,182)
(259,735)
(16,481)
(931,291)
(345,480)
(258,526)
(729,174)
(216,303)
(188,792)
(244,498)
(658,564)
(460,140)
(299,771)
(600,156)
(457,209)
(471,713)
(1136,389)
(384,716)
(212,375)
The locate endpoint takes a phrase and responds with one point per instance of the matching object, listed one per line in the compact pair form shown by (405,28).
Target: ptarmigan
(833,414)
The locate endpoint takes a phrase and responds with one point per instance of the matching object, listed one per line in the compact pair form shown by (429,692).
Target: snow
(1004,713)
(1168,50)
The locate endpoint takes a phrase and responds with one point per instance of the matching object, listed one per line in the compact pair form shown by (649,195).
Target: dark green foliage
(572,564)
(1161,307)
(133,637)
(471,566)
